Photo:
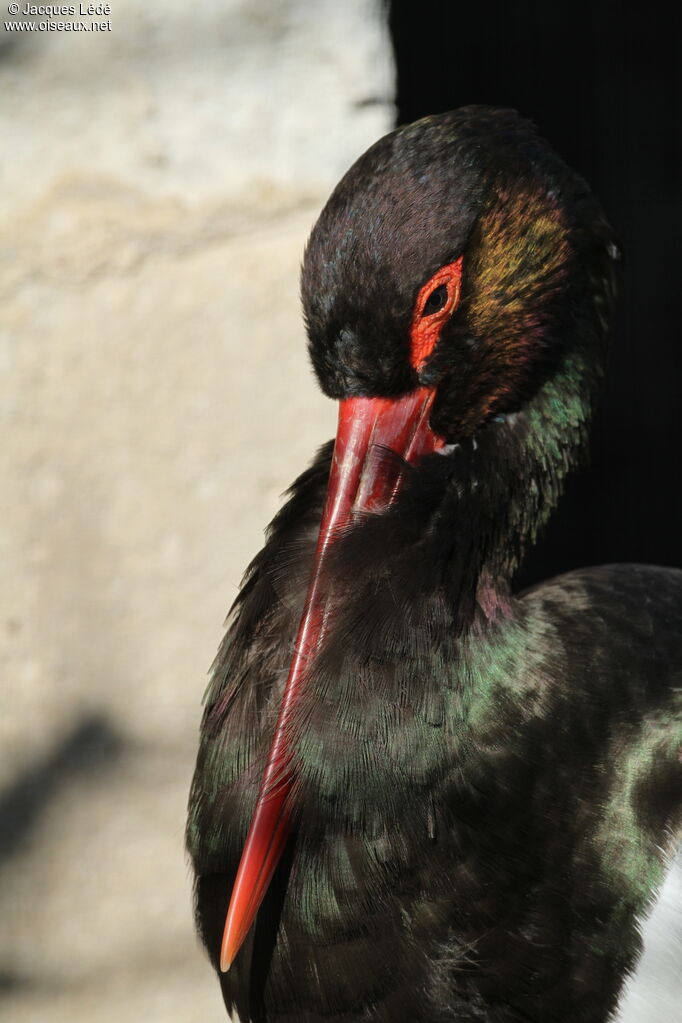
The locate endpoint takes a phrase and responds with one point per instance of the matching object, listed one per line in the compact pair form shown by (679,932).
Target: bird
(421,795)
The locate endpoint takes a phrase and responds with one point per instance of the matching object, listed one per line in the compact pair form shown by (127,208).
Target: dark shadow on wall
(92,746)
(603,82)
(15,44)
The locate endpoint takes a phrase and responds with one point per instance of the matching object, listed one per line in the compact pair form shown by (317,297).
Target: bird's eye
(435,301)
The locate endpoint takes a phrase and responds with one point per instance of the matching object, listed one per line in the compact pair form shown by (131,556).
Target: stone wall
(158,185)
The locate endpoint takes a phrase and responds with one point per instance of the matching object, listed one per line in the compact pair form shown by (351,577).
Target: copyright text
(59,10)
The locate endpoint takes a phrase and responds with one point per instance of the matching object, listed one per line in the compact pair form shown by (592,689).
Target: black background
(602,82)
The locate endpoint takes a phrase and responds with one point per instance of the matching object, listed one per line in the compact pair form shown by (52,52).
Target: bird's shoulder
(613,609)
(650,584)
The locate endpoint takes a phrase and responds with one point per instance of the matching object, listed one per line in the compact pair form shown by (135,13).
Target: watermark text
(48,17)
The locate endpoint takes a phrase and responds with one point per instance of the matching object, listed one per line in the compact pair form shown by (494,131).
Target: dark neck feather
(466,518)
(387,702)
(512,476)
(387,698)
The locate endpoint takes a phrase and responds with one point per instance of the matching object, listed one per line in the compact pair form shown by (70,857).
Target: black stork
(423,796)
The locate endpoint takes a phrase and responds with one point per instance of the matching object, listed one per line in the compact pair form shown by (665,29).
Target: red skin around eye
(425,330)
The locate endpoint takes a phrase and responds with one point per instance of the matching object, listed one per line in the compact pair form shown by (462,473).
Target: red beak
(358,484)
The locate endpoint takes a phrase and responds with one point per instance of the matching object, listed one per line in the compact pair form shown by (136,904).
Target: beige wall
(158,184)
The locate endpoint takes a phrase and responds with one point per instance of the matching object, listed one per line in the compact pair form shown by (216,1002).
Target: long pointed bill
(358,483)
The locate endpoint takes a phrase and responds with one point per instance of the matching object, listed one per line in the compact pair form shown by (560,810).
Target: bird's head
(461,255)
